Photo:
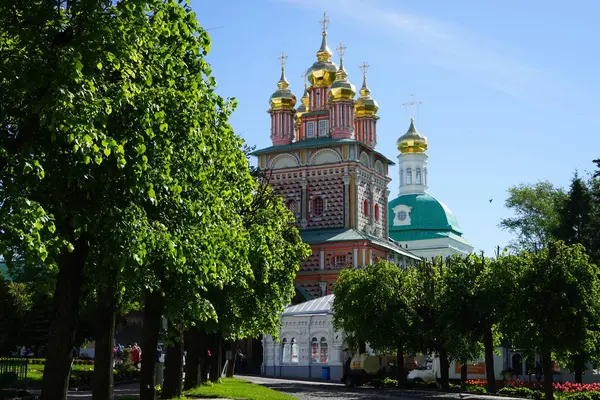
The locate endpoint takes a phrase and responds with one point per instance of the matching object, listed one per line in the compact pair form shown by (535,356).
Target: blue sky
(509,89)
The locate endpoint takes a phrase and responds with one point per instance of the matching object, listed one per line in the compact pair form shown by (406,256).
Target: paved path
(312,390)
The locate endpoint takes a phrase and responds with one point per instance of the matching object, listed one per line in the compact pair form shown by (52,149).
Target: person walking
(136,355)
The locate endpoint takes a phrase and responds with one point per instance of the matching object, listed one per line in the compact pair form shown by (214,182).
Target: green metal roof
(316,142)
(315,236)
(408,235)
(429,217)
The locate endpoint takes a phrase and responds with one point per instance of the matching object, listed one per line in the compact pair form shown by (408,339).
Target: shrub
(390,383)
(476,389)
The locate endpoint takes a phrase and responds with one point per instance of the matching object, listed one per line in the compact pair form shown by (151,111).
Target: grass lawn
(36,371)
(233,388)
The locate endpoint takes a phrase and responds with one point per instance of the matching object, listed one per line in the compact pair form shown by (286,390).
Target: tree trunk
(444,369)
(215,372)
(400,366)
(106,315)
(192,340)
(548,376)
(204,359)
(464,373)
(153,310)
(174,369)
(579,362)
(64,323)
(488,343)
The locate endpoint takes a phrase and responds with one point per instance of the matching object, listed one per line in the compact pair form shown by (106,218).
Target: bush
(476,389)
(390,383)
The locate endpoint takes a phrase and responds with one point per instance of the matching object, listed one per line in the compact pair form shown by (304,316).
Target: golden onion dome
(341,89)
(283,98)
(322,72)
(304,102)
(412,141)
(365,105)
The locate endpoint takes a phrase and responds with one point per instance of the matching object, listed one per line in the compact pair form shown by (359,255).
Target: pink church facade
(324,163)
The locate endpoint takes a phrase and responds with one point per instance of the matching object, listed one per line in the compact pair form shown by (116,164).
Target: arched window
(314,350)
(376,211)
(318,206)
(287,351)
(341,115)
(401,177)
(291,204)
(324,351)
(319,351)
(418,176)
(366,207)
(408,176)
(294,350)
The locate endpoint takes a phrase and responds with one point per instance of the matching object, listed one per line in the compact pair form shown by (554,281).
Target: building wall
(303,329)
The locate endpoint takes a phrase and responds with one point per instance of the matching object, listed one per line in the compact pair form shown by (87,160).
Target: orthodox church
(418,221)
(323,161)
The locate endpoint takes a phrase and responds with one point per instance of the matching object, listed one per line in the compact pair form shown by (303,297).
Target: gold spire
(412,141)
(322,72)
(304,101)
(283,83)
(341,89)
(283,98)
(324,54)
(365,105)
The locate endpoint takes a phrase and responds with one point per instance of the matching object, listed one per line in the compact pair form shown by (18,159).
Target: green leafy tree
(576,226)
(372,305)
(473,299)
(536,208)
(555,303)
(110,120)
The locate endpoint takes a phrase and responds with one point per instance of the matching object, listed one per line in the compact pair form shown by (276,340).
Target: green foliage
(555,302)
(249,305)
(372,304)
(536,207)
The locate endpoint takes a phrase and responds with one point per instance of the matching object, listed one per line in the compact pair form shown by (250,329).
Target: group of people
(134,350)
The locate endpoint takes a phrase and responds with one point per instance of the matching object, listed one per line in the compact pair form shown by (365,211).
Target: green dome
(420,216)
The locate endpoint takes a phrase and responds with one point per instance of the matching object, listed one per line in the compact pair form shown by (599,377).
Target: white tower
(412,161)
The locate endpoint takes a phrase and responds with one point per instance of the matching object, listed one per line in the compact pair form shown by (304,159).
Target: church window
(408,176)
(294,351)
(314,350)
(341,115)
(292,206)
(310,129)
(418,176)
(339,261)
(287,351)
(376,212)
(318,206)
(366,207)
(322,128)
(318,98)
(319,351)
(401,177)
(324,356)
(402,215)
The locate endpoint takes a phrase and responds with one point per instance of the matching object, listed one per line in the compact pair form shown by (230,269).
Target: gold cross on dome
(411,104)
(324,21)
(364,67)
(283,59)
(341,50)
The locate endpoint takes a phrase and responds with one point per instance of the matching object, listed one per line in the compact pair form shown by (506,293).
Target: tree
(555,303)
(536,207)
(474,297)
(109,120)
(575,226)
(372,305)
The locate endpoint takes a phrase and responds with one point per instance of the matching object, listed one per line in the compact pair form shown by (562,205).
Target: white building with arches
(307,343)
